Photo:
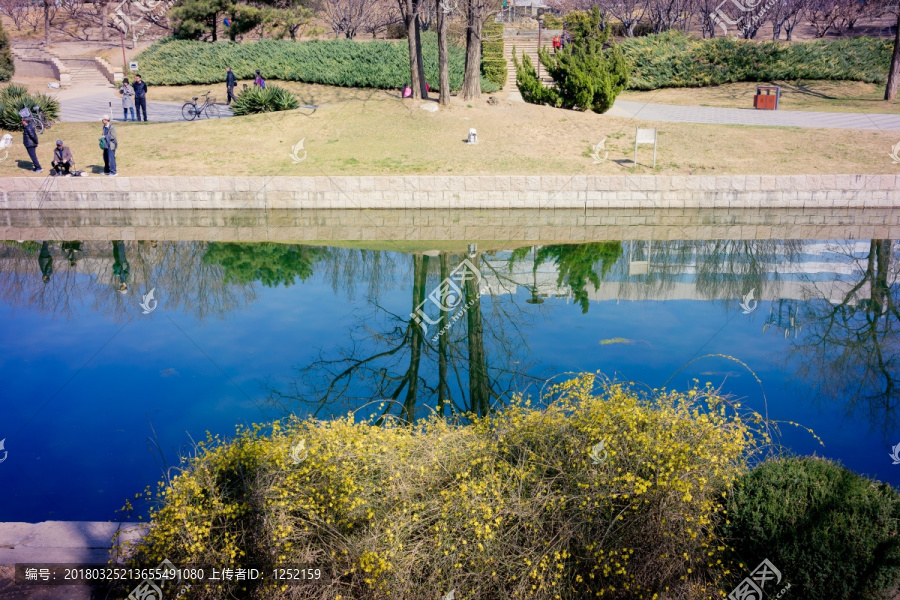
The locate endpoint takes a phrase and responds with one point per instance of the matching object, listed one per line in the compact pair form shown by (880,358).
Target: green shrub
(585,76)
(7,66)
(605,492)
(551,21)
(372,64)
(16,97)
(672,59)
(259,100)
(832,533)
(493,64)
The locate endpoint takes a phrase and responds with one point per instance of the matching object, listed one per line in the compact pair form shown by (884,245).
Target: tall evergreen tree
(7,67)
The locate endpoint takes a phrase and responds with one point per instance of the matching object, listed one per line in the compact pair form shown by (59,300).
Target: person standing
(63,161)
(127,99)
(45,261)
(230,82)
(259,82)
(30,140)
(140,97)
(121,268)
(109,143)
(70,248)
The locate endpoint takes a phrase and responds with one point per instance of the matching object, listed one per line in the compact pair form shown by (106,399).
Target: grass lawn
(826,96)
(373,133)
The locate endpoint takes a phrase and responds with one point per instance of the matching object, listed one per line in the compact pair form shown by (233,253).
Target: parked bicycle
(40,119)
(191,110)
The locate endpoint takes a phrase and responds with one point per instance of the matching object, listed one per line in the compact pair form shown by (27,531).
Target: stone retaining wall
(439,192)
(491,228)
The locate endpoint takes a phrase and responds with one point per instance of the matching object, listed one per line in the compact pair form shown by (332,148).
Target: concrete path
(667,113)
(81,542)
(89,108)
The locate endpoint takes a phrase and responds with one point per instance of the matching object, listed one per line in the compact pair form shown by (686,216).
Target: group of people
(121,269)
(561,41)
(134,96)
(63,161)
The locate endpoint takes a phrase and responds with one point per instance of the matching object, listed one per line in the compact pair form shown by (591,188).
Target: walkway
(92,107)
(668,113)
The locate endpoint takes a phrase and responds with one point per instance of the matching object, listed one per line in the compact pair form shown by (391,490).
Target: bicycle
(191,110)
(41,120)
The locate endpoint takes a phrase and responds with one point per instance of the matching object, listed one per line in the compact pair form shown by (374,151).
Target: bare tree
(16,10)
(477,11)
(629,12)
(383,13)
(705,10)
(443,16)
(669,14)
(785,15)
(347,17)
(890,91)
(821,15)
(410,11)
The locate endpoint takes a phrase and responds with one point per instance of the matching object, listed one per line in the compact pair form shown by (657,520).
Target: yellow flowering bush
(603,492)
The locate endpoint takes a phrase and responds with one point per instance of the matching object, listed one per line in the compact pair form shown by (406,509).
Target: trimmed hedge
(345,63)
(493,65)
(830,532)
(7,67)
(673,59)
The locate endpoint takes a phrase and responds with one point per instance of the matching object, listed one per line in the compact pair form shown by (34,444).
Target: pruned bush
(271,98)
(604,492)
(830,532)
(673,59)
(493,64)
(7,66)
(15,97)
(585,76)
(372,64)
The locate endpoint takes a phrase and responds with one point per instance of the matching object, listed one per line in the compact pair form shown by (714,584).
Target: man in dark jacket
(230,82)
(63,161)
(30,140)
(140,97)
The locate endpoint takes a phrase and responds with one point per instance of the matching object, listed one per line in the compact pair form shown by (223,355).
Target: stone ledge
(64,541)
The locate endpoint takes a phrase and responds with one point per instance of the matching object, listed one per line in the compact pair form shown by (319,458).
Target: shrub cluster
(7,66)
(371,64)
(15,97)
(604,492)
(259,100)
(585,76)
(830,532)
(672,59)
(493,64)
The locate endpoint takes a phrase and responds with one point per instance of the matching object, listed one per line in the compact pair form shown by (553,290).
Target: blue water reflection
(100,398)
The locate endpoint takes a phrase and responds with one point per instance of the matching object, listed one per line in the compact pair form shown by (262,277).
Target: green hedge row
(493,65)
(673,59)
(372,64)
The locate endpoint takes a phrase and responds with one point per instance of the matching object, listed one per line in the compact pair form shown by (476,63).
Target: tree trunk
(471,89)
(104,21)
(420,275)
(479,386)
(47,23)
(890,92)
(420,60)
(444,340)
(215,22)
(409,19)
(443,62)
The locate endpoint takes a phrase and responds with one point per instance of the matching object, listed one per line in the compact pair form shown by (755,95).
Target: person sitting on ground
(259,82)
(407,91)
(63,161)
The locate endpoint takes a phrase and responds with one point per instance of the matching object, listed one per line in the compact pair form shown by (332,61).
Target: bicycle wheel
(189,111)
(212,112)
(38,125)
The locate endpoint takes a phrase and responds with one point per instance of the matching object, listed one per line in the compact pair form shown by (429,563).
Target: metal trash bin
(769,100)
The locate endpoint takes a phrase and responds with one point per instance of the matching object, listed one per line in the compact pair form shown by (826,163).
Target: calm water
(99,398)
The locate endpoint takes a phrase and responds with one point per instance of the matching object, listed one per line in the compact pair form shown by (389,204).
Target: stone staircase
(85,73)
(525,42)
(32,59)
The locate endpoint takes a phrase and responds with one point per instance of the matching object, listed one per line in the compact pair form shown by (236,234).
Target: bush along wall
(493,64)
(371,64)
(7,66)
(672,59)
